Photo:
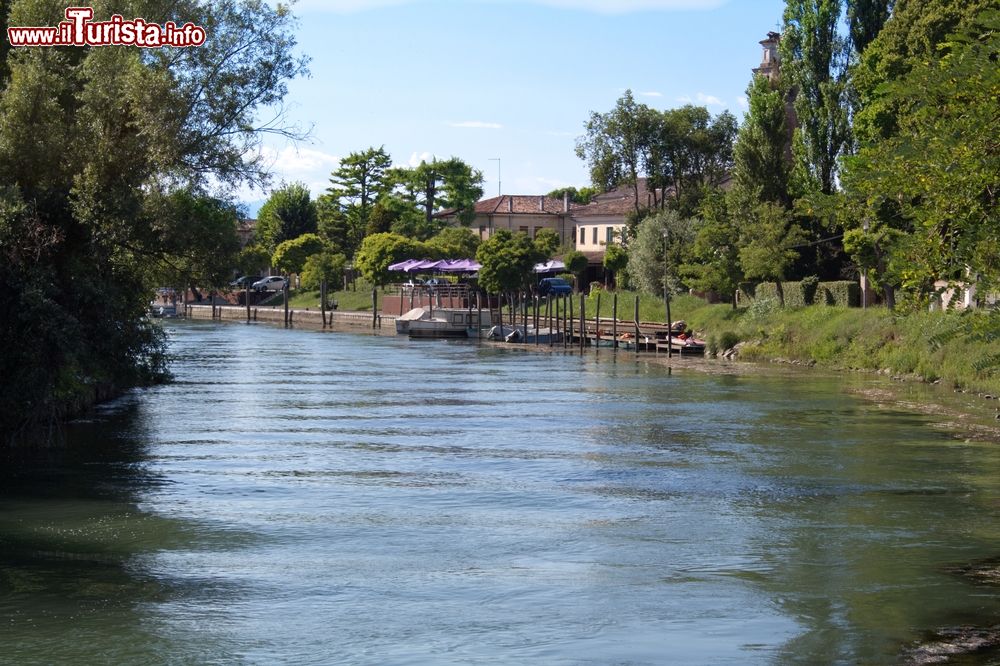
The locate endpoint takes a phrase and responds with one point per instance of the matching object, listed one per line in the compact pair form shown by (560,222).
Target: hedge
(841,292)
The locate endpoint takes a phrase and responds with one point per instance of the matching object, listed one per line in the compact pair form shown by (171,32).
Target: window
(523,230)
(594,241)
(609,235)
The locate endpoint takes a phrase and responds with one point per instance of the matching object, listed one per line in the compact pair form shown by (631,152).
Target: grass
(354,300)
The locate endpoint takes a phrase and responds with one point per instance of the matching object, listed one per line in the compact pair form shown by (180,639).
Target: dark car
(243,282)
(554,286)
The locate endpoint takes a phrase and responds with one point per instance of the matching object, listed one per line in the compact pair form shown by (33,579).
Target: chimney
(541,203)
(510,204)
(565,202)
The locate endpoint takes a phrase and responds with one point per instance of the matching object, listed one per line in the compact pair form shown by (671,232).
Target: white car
(270,283)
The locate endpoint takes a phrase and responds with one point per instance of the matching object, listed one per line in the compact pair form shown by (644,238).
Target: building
(515,212)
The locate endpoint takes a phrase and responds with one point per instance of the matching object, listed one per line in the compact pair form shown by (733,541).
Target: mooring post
(322,302)
(614,321)
(597,344)
(284,293)
(583,321)
(479,316)
(570,298)
(374,307)
(636,321)
(247,287)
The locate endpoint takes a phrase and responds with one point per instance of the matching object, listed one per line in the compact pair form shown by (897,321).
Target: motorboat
(425,322)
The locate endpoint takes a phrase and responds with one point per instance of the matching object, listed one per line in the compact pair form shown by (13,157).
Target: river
(314,498)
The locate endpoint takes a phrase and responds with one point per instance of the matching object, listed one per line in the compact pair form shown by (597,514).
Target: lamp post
(666,296)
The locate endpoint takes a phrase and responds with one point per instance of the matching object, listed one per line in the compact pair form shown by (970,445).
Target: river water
(314,498)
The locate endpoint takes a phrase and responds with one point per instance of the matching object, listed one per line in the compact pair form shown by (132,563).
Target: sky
(505,85)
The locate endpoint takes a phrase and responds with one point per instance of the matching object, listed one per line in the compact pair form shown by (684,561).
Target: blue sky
(514,79)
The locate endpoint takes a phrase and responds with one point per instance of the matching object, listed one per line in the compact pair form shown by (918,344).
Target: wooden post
(583,321)
(597,343)
(670,344)
(374,307)
(255,314)
(322,301)
(479,315)
(567,319)
(524,314)
(636,322)
(570,299)
(284,293)
(614,321)
(247,288)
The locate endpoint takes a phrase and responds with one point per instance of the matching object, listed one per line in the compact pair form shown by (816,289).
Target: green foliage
(356,184)
(106,159)
(288,213)
(576,262)
(454,243)
(714,262)
(379,251)
(760,168)
(290,256)
(507,262)
(580,196)
(252,260)
(442,184)
(770,239)
(647,264)
(939,170)
(547,242)
(323,266)
(615,260)
(809,285)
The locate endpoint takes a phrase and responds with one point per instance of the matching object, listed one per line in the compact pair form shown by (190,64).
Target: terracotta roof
(620,206)
(521,204)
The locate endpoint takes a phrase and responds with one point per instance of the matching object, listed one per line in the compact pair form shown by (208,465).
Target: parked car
(243,282)
(270,283)
(554,286)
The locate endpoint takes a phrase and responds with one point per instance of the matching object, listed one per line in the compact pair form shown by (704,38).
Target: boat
(518,333)
(425,322)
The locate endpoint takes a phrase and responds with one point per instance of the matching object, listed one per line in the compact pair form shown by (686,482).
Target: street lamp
(666,295)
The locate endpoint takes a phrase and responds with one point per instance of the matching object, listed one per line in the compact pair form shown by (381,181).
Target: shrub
(809,286)
(728,340)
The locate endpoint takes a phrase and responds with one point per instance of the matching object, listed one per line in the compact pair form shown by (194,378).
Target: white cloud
(476,124)
(595,6)
(651,93)
(291,162)
(417,158)
(701,98)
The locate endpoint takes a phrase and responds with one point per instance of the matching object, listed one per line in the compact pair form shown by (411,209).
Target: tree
(288,213)
(379,251)
(576,263)
(614,145)
(508,261)
(547,241)
(290,256)
(358,183)
(814,69)
(442,184)
(580,196)
(89,138)
(323,266)
(760,156)
(615,261)
(198,238)
(333,227)
(454,243)
(938,174)
(714,264)
(252,259)
(769,245)
(666,230)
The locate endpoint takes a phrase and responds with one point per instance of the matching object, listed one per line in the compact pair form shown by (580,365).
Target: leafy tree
(547,241)
(358,183)
(939,172)
(714,260)
(580,196)
(865,20)
(288,213)
(199,244)
(615,260)
(576,263)
(455,243)
(442,184)
(507,260)
(333,227)
(323,266)
(614,145)
(664,231)
(379,251)
(252,259)
(290,256)
(760,156)
(92,142)
(769,245)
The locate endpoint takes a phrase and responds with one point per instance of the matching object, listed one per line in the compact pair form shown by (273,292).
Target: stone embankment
(310,318)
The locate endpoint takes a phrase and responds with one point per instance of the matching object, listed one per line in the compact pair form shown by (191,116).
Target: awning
(550,266)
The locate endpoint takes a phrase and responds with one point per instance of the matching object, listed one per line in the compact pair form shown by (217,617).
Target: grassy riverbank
(958,349)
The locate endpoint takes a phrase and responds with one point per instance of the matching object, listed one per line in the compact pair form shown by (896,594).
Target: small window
(523,230)
(594,242)
(609,235)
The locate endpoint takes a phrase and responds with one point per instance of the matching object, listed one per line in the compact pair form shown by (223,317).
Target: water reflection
(316,498)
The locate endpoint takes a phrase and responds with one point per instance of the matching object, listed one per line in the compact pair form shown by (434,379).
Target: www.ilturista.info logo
(79,30)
